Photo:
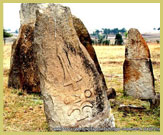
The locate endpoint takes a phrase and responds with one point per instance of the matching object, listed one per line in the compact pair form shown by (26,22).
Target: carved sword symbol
(70,76)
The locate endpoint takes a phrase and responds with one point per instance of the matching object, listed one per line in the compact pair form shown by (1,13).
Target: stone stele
(73,90)
(85,39)
(137,68)
(23,71)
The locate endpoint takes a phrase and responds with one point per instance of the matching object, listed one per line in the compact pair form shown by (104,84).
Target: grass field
(24,112)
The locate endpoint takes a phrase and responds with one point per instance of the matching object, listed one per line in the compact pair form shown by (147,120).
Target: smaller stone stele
(137,69)
(23,69)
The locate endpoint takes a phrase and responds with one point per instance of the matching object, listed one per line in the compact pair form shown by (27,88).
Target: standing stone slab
(72,88)
(85,39)
(23,69)
(137,68)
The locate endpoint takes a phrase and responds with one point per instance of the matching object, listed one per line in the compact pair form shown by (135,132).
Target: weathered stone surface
(73,91)
(136,48)
(23,70)
(137,68)
(27,19)
(130,108)
(155,102)
(85,39)
(28,12)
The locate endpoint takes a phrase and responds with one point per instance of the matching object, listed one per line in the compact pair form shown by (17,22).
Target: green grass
(146,118)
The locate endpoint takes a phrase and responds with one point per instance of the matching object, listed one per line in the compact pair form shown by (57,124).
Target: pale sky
(143,16)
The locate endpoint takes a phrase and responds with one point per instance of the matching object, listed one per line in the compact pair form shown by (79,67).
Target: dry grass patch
(111,60)
(24,112)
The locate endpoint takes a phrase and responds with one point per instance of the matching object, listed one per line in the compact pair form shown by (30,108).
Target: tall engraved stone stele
(138,72)
(73,91)
(23,72)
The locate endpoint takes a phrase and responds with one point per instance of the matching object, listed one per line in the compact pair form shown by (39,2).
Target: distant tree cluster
(101,36)
(6,34)
(156,28)
(107,31)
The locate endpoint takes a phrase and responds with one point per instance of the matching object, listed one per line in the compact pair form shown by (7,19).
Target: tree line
(101,36)
(108,31)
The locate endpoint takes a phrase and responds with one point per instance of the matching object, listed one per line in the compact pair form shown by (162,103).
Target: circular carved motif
(87,93)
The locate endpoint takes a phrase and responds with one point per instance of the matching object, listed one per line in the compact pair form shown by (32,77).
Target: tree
(16,31)
(106,31)
(101,39)
(115,31)
(6,34)
(97,32)
(106,42)
(118,39)
(123,30)
(126,34)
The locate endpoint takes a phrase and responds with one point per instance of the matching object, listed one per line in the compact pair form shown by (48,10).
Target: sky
(143,16)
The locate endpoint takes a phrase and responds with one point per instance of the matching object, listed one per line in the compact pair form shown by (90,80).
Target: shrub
(106,42)
(157,41)
(118,39)
(6,34)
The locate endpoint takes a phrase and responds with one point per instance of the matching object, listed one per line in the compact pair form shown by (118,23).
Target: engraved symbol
(87,111)
(87,93)
(72,99)
(81,108)
(72,109)
(70,77)
(81,104)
